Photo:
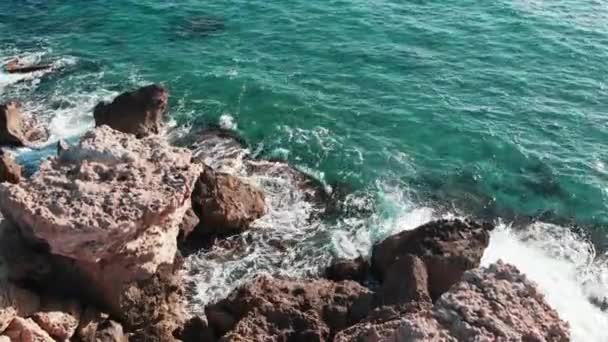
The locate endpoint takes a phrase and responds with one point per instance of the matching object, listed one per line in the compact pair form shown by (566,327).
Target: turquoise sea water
(494,109)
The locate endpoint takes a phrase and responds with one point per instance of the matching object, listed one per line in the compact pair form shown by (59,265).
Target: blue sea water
(425,108)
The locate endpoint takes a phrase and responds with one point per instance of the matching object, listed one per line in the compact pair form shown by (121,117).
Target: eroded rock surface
(139,112)
(497,303)
(10,171)
(448,248)
(15,301)
(284,310)
(17,129)
(108,213)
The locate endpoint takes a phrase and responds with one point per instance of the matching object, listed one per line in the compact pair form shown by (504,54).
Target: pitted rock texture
(15,301)
(497,303)
(10,171)
(272,309)
(139,112)
(448,248)
(110,195)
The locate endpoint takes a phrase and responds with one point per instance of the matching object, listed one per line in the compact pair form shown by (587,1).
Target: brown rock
(447,247)
(496,303)
(15,301)
(406,281)
(225,204)
(16,67)
(11,128)
(10,171)
(348,269)
(139,112)
(59,318)
(26,330)
(188,224)
(97,327)
(272,309)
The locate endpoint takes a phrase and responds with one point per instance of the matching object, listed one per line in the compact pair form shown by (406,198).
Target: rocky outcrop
(10,171)
(225,204)
(140,112)
(497,303)
(18,130)
(59,318)
(348,269)
(14,302)
(15,66)
(285,310)
(108,212)
(448,248)
(26,330)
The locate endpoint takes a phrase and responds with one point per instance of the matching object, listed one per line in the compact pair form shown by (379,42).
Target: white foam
(227,122)
(565,268)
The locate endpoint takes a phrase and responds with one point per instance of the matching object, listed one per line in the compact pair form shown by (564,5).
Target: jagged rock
(497,303)
(108,212)
(17,129)
(188,224)
(447,247)
(59,318)
(139,112)
(281,309)
(225,204)
(348,269)
(406,281)
(10,171)
(196,330)
(15,301)
(97,327)
(26,330)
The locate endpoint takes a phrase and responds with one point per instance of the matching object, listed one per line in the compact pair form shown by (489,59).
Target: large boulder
(285,310)
(448,248)
(109,211)
(497,303)
(17,129)
(225,204)
(10,171)
(139,112)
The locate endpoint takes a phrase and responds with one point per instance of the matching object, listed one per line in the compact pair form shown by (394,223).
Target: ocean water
(416,110)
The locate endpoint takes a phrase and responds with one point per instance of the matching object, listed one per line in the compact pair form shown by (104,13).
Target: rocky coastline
(92,247)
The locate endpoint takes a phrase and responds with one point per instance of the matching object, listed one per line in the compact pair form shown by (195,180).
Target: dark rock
(348,269)
(196,330)
(225,204)
(139,112)
(62,147)
(406,281)
(15,67)
(447,247)
(10,171)
(289,310)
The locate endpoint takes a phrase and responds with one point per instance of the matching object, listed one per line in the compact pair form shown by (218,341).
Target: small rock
(59,318)
(10,171)
(15,301)
(139,112)
(347,269)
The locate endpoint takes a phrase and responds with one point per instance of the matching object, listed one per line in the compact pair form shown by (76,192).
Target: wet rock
(406,281)
(18,130)
(10,171)
(15,301)
(15,66)
(107,214)
(62,146)
(348,269)
(280,309)
(447,247)
(225,204)
(139,112)
(188,224)
(26,330)
(489,304)
(59,318)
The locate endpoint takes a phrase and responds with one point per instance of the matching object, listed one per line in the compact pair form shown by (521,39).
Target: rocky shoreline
(93,247)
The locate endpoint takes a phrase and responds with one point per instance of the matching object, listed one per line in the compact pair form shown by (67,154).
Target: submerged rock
(284,310)
(10,171)
(448,248)
(497,303)
(225,204)
(16,67)
(108,211)
(139,112)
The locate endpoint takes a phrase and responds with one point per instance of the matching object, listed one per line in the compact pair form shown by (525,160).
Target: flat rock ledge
(105,216)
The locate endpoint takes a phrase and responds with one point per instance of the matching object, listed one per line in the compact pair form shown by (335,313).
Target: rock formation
(109,212)
(286,310)
(346,269)
(15,66)
(448,248)
(225,204)
(140,112)
(18,130)
(10,171)
(496,303)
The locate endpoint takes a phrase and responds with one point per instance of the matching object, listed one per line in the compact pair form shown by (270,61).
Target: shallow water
(420,109)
